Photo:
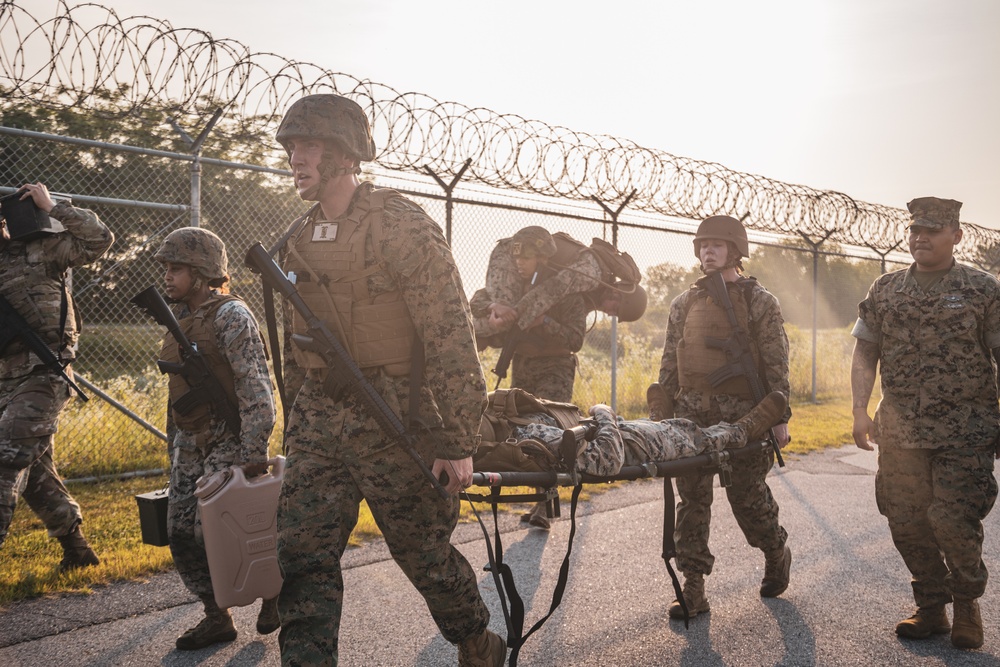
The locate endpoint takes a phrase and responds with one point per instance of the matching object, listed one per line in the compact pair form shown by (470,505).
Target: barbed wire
(76,56)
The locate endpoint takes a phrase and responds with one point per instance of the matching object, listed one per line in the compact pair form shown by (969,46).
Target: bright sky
(884,100)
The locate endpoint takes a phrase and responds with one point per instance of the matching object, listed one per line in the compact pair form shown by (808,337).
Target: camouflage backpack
(615,264)
(506,408)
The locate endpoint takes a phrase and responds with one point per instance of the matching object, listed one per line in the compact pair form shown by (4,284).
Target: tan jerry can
(239,524)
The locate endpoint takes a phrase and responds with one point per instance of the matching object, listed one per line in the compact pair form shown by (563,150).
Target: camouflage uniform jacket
(32,276)
(416,262)
(767,334)
(563,327)
(238,339)
(505,286)
(632,442)
(938,373)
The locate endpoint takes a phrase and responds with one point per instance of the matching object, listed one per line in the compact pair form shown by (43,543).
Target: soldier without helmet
(933,330)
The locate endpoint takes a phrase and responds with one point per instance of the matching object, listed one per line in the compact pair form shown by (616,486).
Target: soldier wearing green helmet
(377,269)
(196,271)
(683,390)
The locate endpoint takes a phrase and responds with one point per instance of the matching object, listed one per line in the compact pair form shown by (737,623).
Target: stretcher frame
(709,463)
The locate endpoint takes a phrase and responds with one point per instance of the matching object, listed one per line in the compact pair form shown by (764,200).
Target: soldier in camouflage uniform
(33,278)
(575,271)
(933,330)
(225,332)
(379,272)
(720,244)
(619,442)
(544,364)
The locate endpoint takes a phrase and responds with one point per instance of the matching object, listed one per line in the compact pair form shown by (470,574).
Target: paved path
(848,590)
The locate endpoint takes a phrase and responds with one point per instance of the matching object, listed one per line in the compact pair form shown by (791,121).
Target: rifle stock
(738,353)
(13,325)
(344,376)
(205,386)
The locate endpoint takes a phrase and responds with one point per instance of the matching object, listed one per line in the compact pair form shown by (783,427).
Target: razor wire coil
(74,57)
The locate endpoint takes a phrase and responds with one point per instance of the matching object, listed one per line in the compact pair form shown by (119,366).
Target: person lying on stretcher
(619,442)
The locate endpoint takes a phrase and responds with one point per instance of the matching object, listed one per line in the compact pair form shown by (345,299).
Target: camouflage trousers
(545,377)
(29,413)
(320,496)
(935,501)
(187,544)
(750,497)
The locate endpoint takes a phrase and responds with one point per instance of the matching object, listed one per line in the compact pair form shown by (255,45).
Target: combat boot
(763,416)
(926,621)
(777,568)
(217,626)
(694,595)
(76,551)
(660,405)
(267,617)
(967,627)
(486,649)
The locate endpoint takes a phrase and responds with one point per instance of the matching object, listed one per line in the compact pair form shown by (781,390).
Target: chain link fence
(142,195)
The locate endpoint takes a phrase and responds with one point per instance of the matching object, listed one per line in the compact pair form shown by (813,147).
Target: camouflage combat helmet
(198,248)
(328,117)
(723,228)
(532,242)
(632,302)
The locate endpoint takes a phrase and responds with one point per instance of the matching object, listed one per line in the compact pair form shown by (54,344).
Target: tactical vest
(38,294)
(333,281)
(506,408)
(200,330)
(695,359)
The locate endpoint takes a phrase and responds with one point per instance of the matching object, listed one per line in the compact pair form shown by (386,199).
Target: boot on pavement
(967,626)
(924,622)
(777,570)
(537,517)
(763,416)
(694,595)
(217,626)
(267,617)
(76,551)
(487,649)
(660,405)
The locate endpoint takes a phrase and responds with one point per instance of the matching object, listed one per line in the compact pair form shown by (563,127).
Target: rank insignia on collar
(324,231)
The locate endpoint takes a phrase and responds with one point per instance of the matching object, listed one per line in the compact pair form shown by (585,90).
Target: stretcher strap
(669,547)
(496,562)
(560,588)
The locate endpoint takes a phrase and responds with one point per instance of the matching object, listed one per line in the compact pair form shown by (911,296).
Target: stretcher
(547,483)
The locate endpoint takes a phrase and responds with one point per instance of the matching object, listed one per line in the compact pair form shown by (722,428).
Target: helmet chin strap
(326,173)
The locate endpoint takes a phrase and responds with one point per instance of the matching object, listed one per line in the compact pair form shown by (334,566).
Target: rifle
(739,357)
(345,376)
(205,386)
(13,325)
(510,343)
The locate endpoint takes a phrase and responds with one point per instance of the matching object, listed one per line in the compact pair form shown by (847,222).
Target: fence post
(882,255)
(195,146)
(815,248)
(614,320)
(448,190)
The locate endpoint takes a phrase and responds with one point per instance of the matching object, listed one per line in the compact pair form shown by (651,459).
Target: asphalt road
(848,590)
